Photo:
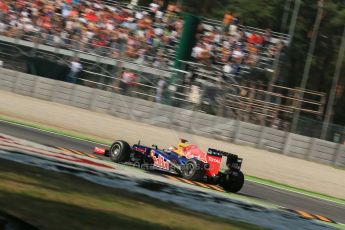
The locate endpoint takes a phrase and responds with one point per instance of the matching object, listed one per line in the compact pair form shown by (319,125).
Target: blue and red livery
(186,160)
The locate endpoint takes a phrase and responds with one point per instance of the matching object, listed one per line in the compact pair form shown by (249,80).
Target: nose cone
(99,151)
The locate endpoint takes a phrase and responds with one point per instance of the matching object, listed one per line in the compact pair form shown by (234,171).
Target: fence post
(194,117)
(152,114)
(337,156)
(92,104)
(16,76)
(171,117)
(111,104)
(54,90)
(73,95)
(288,139)
(262,136)
(35,89)
(237,131)
(131,108)
(311,149)
(114,87)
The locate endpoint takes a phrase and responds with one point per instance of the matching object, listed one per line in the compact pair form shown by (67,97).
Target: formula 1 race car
(186,160)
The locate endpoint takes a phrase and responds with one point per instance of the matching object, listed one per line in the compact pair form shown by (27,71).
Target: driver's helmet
(180,147)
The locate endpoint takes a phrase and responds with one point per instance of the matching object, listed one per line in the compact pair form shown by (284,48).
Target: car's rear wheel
(233,182)
(192,171)
(119,151)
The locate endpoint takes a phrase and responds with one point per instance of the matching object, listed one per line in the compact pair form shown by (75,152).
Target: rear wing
(215,152)
(233,161)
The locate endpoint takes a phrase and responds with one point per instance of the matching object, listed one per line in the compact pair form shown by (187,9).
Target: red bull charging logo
(159,161)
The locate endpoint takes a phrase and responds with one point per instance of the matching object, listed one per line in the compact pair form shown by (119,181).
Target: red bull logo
(159,161)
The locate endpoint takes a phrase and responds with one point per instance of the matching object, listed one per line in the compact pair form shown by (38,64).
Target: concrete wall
(148,112)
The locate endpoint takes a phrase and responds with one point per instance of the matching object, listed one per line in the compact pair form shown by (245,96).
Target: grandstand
(135,40)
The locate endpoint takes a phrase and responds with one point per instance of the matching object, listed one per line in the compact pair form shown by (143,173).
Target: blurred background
(274,63)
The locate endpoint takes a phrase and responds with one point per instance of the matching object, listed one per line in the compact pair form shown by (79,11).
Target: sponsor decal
(214,162)
(212,159)
(159,161)
(140,149)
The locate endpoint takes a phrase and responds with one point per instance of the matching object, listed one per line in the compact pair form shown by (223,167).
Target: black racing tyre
(232,182)
(119,151)
(192,171)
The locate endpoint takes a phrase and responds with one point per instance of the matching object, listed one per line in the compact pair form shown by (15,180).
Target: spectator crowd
(231,47)
(145,35)
(94,27)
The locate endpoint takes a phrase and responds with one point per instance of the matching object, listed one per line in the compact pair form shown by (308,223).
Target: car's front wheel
(119,151)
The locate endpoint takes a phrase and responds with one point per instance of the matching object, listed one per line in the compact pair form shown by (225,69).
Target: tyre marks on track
(306,215)
(199,184)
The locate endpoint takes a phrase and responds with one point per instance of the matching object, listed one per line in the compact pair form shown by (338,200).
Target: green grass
(108,142)
(294,189)
(51,200)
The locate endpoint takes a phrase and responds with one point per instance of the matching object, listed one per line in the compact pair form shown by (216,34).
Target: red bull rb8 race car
(185,160)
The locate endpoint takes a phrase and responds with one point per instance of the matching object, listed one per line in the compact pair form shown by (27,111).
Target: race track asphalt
(279,197)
